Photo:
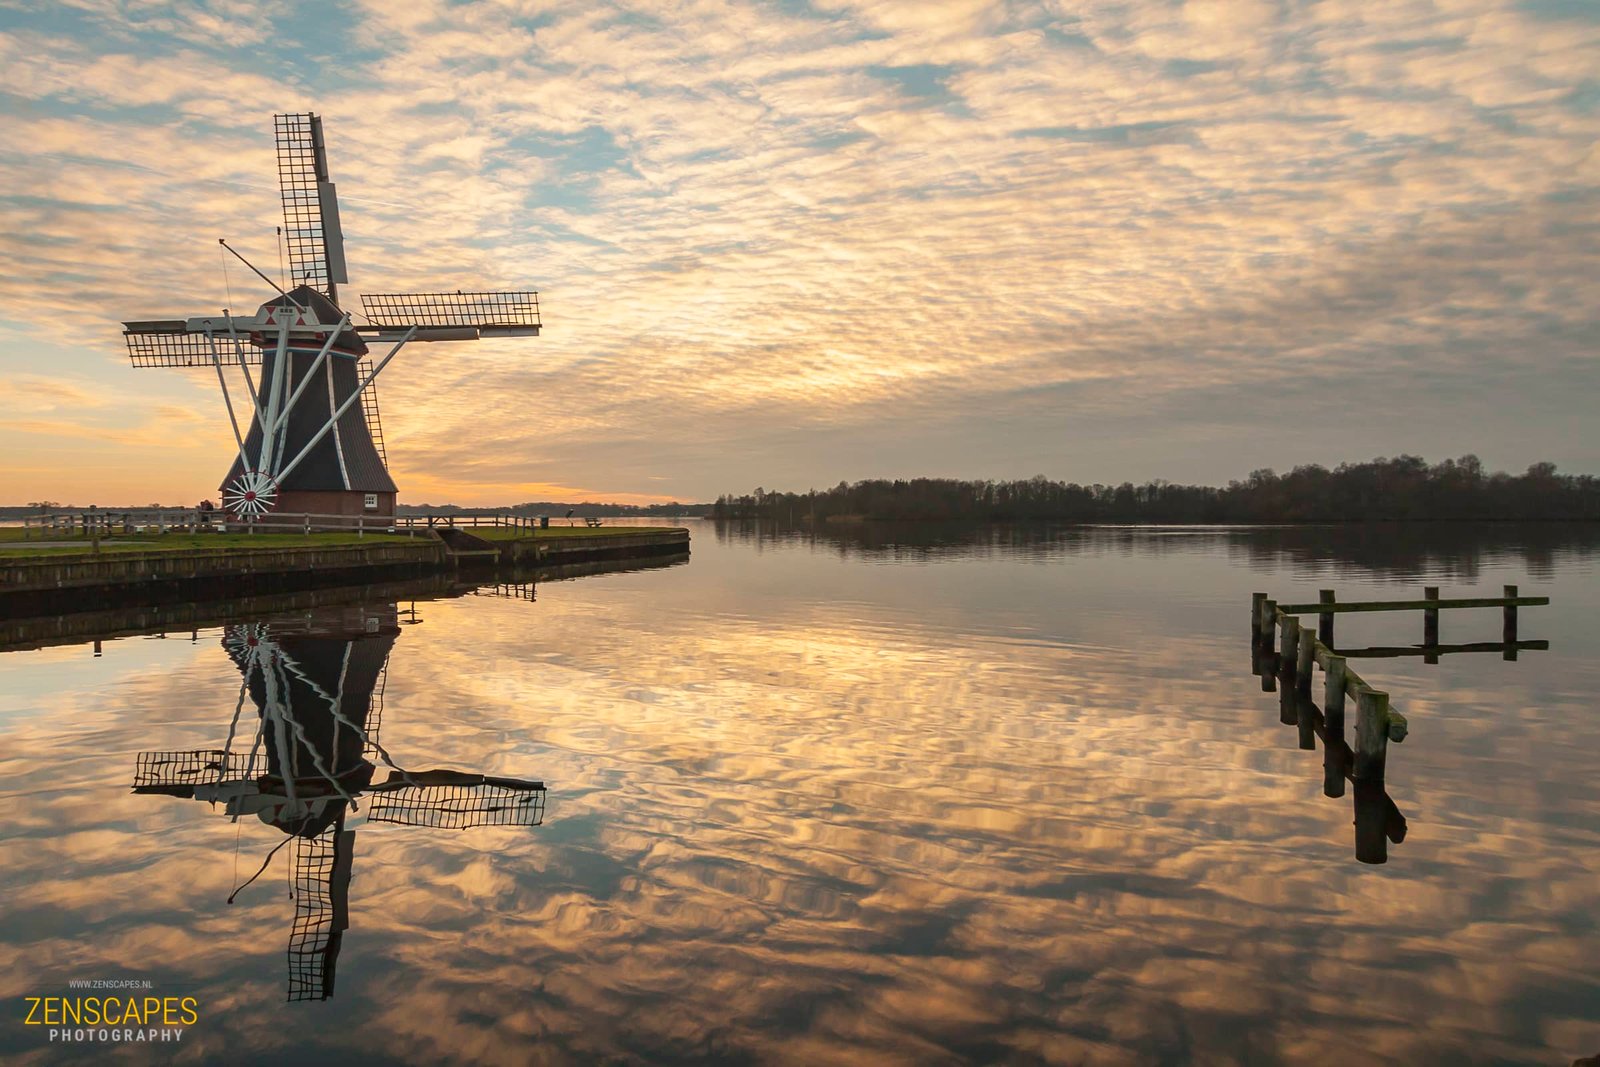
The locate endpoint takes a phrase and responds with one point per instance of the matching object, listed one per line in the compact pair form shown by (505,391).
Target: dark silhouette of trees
(1400,489)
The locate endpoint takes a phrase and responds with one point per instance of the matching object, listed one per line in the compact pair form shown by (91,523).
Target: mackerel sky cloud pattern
(788,243)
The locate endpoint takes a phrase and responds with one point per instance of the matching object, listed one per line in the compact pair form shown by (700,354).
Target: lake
(880,796)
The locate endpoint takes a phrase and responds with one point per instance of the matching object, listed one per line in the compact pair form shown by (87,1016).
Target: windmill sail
(310,205)
(483,314)
(170,343)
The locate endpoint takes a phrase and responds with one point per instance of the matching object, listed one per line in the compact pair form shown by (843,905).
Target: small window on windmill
(372,502)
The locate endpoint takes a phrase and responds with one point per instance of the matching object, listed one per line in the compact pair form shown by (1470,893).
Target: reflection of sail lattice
(468,800)
(155,770)
(321,888)
(374,720)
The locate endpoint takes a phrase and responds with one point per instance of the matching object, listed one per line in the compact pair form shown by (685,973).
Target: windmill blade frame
(490,313)
(311,229)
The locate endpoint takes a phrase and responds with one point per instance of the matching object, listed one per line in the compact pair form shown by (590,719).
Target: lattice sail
(311,228)
(169,344)
(487,311)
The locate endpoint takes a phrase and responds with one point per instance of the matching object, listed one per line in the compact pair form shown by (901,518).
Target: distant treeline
(1399,489)
(547,507)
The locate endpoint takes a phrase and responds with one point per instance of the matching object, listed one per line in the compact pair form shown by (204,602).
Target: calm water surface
(1009,797)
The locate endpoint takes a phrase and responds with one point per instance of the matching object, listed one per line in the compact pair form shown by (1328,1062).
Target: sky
(789,243)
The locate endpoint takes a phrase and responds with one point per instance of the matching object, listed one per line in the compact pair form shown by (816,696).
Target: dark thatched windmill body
(310,448)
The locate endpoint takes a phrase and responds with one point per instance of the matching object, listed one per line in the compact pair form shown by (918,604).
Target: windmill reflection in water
(316,681)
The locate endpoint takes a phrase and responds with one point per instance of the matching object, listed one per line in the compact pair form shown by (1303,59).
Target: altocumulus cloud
(792,242)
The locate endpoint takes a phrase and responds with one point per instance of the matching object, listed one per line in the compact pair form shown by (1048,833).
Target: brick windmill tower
(309,447)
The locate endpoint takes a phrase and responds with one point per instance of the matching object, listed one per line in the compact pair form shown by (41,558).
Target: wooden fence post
(1305,719)
(1430,624)
(1372,845)
(1508,631)
(1335,762)
(1372,733)
(1291,642)
(1288,703)
(1305,661)
(1325,619)
(1333,695)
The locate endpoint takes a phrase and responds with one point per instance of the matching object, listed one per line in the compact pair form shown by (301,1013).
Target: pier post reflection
(1378,820)
(308,768)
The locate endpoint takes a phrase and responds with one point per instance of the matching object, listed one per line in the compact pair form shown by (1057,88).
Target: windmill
(308,448)
(317,684)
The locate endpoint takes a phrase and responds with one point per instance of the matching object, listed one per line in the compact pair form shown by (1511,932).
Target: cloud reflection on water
(796,819)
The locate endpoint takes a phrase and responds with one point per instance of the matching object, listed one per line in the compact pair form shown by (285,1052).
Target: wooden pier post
(1430,624)
(1333,673)
(1291,642)
(1372,734)
(1325,619)
(1372,844)
(1335,765)
(1269,616)
(1305,661)
(1256,600)
(1508,631)
(1305,719)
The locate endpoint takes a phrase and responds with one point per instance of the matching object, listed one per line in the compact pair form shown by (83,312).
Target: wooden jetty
(1377,723)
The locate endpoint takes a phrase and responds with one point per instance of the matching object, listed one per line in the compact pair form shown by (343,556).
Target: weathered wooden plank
(1397,651)
(1414,605)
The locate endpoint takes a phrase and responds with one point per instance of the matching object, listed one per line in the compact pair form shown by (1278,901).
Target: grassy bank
(12,544)
(12,547)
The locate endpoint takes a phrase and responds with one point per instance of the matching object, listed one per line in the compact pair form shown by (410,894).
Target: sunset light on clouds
(791,243)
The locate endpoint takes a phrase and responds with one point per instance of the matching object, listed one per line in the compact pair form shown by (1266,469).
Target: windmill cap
(303,296)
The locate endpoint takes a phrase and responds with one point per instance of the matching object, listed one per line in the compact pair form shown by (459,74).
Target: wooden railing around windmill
(98,523)
(1377,723)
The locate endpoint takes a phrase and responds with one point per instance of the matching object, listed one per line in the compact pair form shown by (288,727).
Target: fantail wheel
(251,495)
